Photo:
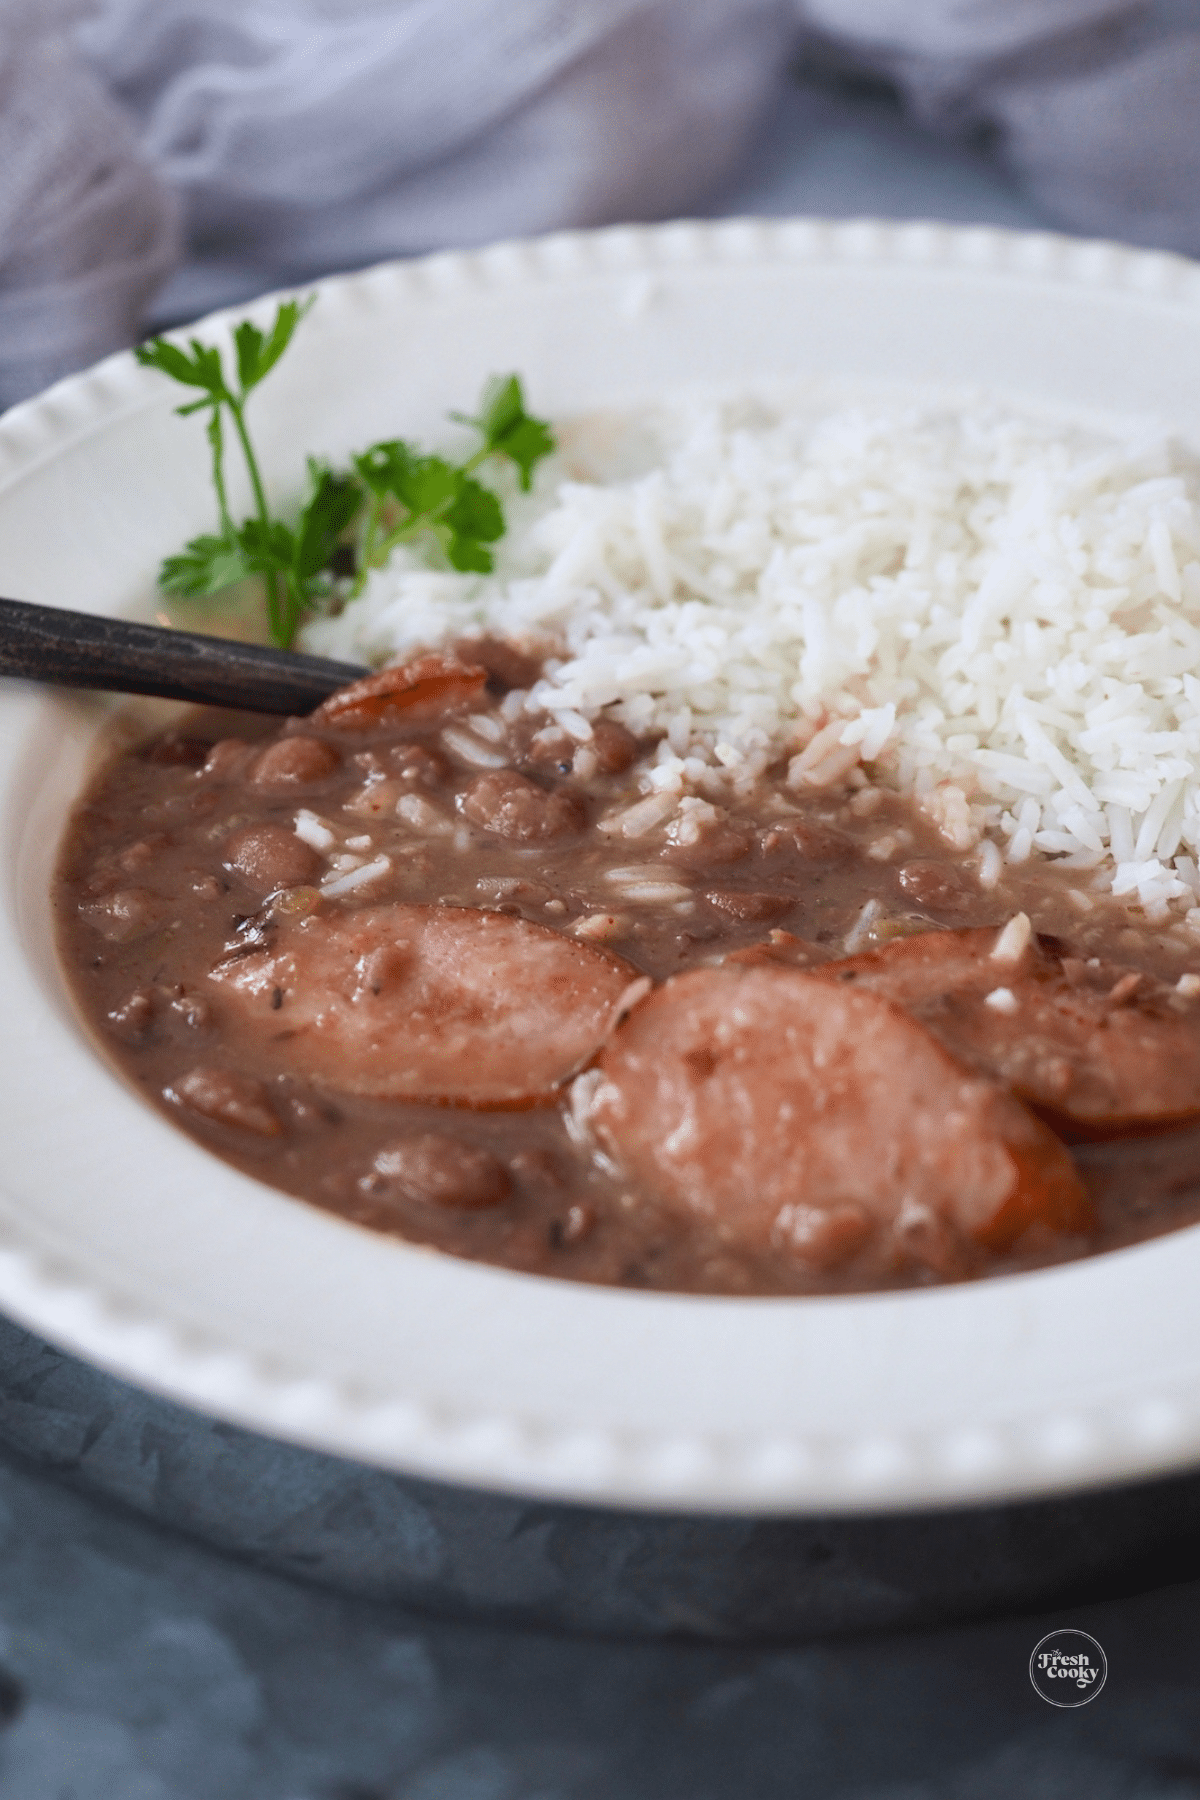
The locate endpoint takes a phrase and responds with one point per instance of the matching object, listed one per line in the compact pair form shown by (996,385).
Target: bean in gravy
(363,957)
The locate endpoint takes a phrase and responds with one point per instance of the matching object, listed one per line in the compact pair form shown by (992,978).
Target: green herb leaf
(508,430)
(248,342)
(476,512)
(527,444)
(170,359)
(201,369)
(501,407)
(429,493)
(473,520)
(205,566)
(269,549)
(428,486)
(421,484)
(375,466)
(210,371)
(468,556)
(332,504)
(257,354)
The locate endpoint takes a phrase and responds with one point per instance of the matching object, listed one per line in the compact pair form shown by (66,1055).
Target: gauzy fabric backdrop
(249,144)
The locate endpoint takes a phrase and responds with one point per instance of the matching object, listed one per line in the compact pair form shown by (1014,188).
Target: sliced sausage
(780,947)
(1097,1049)
(751,1097)
(438,1003)
(423,688)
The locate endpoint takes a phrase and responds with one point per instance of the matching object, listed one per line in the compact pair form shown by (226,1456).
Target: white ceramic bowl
(123,1241)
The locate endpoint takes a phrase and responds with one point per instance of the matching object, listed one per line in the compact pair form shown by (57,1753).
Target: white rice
(998,614)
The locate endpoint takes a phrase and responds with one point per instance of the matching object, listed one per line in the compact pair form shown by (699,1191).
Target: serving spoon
(71,649)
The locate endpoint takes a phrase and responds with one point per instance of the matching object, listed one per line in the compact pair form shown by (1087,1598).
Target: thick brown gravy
(189,861)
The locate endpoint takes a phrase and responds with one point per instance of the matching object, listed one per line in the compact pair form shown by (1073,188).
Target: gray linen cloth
(307,135)
(87,230)
(1093,104)
(300,136)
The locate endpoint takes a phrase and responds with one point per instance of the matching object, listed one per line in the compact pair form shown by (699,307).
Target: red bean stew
(448,971)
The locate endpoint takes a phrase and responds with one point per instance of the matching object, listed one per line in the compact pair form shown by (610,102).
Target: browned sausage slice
(422,688)
(438,1003)
(745,1096)
(1094,1047)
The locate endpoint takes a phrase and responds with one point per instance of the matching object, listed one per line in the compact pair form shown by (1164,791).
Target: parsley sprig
(392,493)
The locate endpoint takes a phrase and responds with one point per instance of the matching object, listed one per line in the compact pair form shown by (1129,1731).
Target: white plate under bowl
(125,1242)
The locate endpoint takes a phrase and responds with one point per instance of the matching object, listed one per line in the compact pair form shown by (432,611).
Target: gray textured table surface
(141,1665)
(150,1668)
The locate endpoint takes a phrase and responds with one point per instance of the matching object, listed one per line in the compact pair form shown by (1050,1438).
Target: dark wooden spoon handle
(70,649)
